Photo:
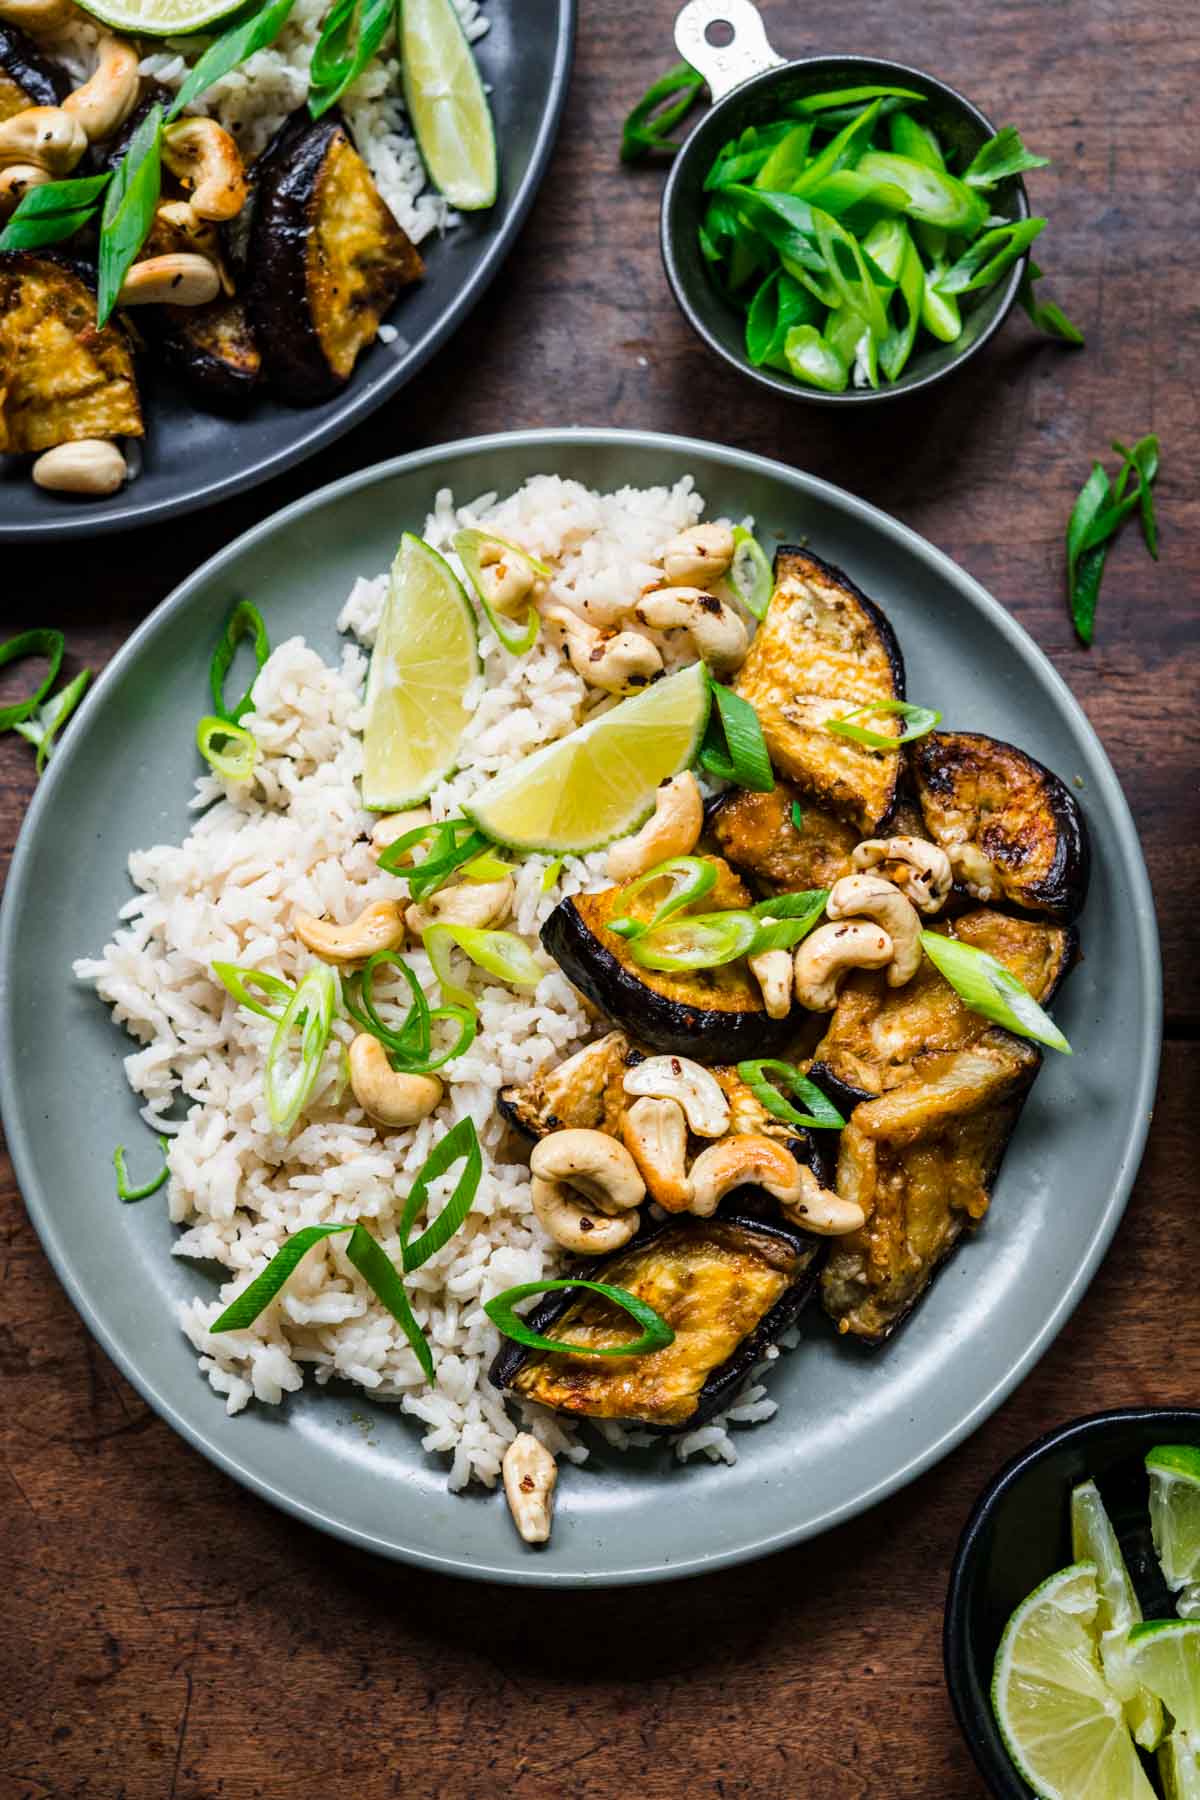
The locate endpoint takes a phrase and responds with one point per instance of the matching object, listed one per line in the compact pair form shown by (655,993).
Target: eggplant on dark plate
(822,650)
(1013,831)
(921,1161)
(26,78)
(62,378)
(726,1286)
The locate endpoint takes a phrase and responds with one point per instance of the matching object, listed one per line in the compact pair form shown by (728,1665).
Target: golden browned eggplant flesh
(64,379)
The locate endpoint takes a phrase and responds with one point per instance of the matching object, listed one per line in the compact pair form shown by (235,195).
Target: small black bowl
(1019,1533)
(743,97)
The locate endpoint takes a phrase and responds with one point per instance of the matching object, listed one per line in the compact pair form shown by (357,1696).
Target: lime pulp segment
(1094,1540)
(1179,1768)
(447,105)
(1174,1471)
(1165,1655)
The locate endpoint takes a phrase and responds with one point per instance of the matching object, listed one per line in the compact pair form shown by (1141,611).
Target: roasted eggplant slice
(26,78)
(1013,831)
(758,835)
(712,1015)
(213,349)
(63,378)
(728,1287)
(921,1161)
(823,649)
(327,259)
(880,1037)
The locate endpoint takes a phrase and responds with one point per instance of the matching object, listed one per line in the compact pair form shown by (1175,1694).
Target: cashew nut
(577,1227)
(46,136)
(830,952)
(613,660)
(739,1161)
(696,1088)
(822,1211)
(391,1098)
(506,579)
(189,231)
(87,466)
(714,628)
(391,826)
(478,903)
(181,279)
(379,926)
(109,95)
(772,969)
(530,1473)
(655,1133)
(602,1214)
(698,556)
(15,181)
(976,871)
(41,17)
(204,157)
(924,874)
(673,830)
(871,897)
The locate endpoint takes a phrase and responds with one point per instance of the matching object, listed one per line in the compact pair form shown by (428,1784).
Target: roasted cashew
(87,466)
(613,660)
(192,233)
(390,1097)
(379,926)
(655,1134)
(42,18)
(696,1088)
(698,556)
(574,1224)
(109,95)
(872,897)
(391,826)
(717,633)
(204,157)
(15,182)
(924,875)
(46,136)
(673,830)
(772,969)
(529,1472)
(830,952)
(822,1211)
(596,1164)
(506,579)
(477,903)
(745,1159)
(182,279)
(974,870)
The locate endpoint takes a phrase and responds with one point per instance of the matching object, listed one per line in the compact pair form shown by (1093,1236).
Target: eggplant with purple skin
(326,258)
(823,650)
(26,78)
(61,377)
(1014,833)
(727,1286)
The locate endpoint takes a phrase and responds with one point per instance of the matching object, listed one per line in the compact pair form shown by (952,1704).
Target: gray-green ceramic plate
(851,1428)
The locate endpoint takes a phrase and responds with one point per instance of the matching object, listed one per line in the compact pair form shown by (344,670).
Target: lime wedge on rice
(584,790)
(1174,1471)
(447,105)
(1179,1768)
(1094,1540)
(1165,1656)
(1061,1724)
(423,662)
(161,18)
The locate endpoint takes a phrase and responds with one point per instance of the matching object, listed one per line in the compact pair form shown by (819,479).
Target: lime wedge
(1179,1768)
(447,105)
(1094,1540)
(423,662)
(161,18)
(1061,1725)
(1165,1656)
(598,784)
(1174,1471)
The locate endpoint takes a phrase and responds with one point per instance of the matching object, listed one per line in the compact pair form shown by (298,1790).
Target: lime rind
(1093,1539)
(447,105)
(162,18)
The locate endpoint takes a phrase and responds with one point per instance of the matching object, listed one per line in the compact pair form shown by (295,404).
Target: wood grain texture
(168,1637)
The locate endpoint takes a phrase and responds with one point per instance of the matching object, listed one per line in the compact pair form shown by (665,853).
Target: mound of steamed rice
(295,836)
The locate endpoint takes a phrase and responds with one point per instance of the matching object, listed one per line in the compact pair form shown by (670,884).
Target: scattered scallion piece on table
(987,987)
(762,1073)
(733,746)
(1048,317)
(690,878)
(46,723)
(244,621)
(291,1072)
(39,642)
(920,721)
(1098,514)
(645,134)
(127,1193)
(229,750)
(656,1333)
(239,981)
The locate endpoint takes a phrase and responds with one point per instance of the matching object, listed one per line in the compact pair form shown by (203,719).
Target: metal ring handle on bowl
(725,66)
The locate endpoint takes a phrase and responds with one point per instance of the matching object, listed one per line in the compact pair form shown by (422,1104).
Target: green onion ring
(467,546)
(923,720)
(244,621)
(753,581)
(311,1010)
(656,1333)
(983,983)
(691,876)
(501,953)
(461,1141)
(40,642)
(236,764)
(734,748)
(127,1193)
(822,1115)
(787,919)
(700,941)
(238,980)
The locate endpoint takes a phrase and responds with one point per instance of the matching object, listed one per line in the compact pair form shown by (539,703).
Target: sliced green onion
(39,642)
(452,843)
(664,105)
(691,877)
(379,1272)
(822,1115)
(468,546)
(787,919)
(235,763)
(336,65)
(1044,314)
(840,152)
(921,721)
(266,1285)
(1142,463)
(501,953)
(933,195)
(238,980)
(656,1333)
(127,1193)
(550,874)
(815,103)
(289,1078)
(750,574)
(246,35)
(1002,155)
(130,201)
(797,813)
(460,1142)
(812,358)
(50,717)
(779,303)
(700,941)
(734,748)
(409,1046)
(987,987)
(984,261)
(244,621)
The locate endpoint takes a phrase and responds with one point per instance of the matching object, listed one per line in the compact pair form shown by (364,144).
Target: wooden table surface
(165,1634)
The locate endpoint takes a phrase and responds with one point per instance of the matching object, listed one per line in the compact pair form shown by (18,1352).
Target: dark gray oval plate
(193,458)
(851,1427)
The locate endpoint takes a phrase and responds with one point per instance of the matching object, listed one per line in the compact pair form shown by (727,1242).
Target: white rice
(295,837)
(254,99)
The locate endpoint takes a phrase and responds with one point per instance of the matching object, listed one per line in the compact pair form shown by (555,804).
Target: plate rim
(1148,958)
(366,399)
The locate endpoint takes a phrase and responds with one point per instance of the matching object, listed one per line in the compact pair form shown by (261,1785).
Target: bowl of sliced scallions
(842,228)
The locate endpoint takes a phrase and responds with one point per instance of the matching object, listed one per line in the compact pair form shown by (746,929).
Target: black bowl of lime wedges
(1072,1631)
